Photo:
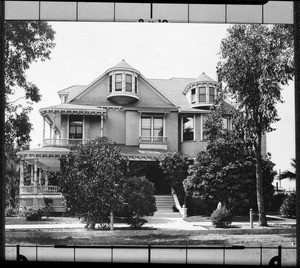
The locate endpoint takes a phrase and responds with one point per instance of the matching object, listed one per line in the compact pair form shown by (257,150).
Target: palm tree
(289,174)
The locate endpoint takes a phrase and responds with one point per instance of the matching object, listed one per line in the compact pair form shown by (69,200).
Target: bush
(48,209)
(33,213)
(221,218)
(139,201)
(11,211)
(288,207)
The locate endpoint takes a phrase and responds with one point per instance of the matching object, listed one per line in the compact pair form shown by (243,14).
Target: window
(157,129)
(75,127)
(152,128)
(146,128)
(188,128)
(110,83)
(135,85)
(193,95)
(202,94)
(128,82)
(118,84)
(204,135)
(211,94)
(226,123)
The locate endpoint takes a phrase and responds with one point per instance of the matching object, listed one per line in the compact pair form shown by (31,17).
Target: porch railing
(39,189)
(63,142)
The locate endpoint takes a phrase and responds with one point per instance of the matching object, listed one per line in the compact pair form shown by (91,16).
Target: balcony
(63,142)
(153,142)
(31,189)
(122,97)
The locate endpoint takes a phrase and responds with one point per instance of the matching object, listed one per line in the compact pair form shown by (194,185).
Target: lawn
(125,236)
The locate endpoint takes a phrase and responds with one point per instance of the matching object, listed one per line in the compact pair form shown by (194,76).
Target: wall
(132,128)
(192,148)
(92,127)
(171,131)
(115,126)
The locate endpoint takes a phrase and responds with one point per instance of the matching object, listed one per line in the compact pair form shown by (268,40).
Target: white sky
(158,50)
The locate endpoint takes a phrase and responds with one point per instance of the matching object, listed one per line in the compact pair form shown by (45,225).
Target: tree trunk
(262,219)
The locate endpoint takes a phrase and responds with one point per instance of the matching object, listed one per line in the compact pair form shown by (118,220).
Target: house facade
(146,117)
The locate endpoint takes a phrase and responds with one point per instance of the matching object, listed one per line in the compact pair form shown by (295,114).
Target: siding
(132,128)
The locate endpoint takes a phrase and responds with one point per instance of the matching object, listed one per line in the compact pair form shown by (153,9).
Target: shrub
(10,211)
(288,207)
(139,200)
(48,209)
(33,213)
(221,218)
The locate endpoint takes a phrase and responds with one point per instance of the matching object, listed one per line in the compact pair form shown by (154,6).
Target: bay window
(118,82)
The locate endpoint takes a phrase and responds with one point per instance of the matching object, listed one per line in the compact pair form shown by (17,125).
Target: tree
(255,62)
(25,43)
(91,180)
(139,200)
(225,170)
(289,174)
(174,165)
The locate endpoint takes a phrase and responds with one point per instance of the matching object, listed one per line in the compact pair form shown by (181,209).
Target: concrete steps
(164,203)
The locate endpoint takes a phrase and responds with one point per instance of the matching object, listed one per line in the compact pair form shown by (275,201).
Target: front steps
(164,203)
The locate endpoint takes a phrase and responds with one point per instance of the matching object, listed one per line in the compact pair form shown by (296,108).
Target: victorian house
(146,117)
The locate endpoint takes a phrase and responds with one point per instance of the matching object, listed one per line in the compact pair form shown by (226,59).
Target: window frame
(182,128)
(202,94)
(118,82)
(152,128)
(127,83)
(76,126)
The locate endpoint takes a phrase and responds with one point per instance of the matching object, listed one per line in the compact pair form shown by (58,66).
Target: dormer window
(118,82)
(193,95)
(202,94)
(212,96)
(110,83)
(123,86)
(128,82)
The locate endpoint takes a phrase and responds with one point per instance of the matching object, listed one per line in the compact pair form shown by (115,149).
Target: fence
(234,255)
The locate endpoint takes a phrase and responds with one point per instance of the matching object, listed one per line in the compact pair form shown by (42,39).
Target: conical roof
(123,64)
(205,78)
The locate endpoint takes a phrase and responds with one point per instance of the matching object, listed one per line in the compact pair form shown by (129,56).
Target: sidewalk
(174,221)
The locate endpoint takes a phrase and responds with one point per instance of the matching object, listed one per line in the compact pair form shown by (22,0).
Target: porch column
(50,131)
(101,126)
(31,174)
(35,178)
(35,184)
(53,130)
(21,173)
(40,176)
(46,178)
(44,125)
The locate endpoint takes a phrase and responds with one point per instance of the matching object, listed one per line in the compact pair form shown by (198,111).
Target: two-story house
(146,117)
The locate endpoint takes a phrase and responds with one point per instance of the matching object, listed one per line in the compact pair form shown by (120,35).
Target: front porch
(34,182)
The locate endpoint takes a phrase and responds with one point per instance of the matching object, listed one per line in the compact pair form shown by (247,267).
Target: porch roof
(47,158)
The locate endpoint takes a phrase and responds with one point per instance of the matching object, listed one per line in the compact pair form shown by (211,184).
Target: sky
(85,50)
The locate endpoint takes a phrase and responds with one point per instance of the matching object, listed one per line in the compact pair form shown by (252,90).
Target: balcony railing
(39,189)
(63,142)
(153,142)
(152,139)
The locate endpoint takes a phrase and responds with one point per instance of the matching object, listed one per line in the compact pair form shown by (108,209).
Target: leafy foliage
(288,208)
(91,180)
(225,170)
(33,213)
(255,62)
(25,42)
(221,217)
(139,200)
(289,174)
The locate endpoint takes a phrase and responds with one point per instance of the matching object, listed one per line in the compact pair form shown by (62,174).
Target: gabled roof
(172,88)
(71,91)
